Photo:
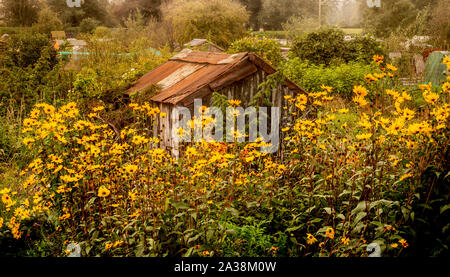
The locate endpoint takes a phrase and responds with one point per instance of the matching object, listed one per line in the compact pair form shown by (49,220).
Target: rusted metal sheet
(235,74)
(194,73)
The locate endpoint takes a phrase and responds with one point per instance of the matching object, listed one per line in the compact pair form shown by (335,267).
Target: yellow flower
(403,243)
(391,67)
(365,136)
(365,124)
(360,101)
(310,239)
(108,246)
(378,59)
(6,199)
(48,109)
(360,91)
(370,78)
(1,222)
(329,233)
(394,245)
(103,191)
(447,62)
(430,97)
(405,176)
(238,102)
(98,109)
(345,240)
(327,88)
(130,169)
(343,111)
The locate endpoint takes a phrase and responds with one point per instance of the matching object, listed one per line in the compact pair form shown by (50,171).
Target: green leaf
(140,250)
(292,229)
(446,207)
(360,207)
(360,216)
(233,211)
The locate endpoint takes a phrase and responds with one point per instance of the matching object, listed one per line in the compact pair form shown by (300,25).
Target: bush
(48,21)
(341,77)
(102,32)
(88,25)
(327,46)
(25,49)
(28,71)
(220,21)
(269,49)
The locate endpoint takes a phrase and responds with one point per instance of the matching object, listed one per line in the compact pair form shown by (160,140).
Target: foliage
(88,25)
(220,21)
(439,25)
(277,12)
(266,48)
(73,16)
(118,194)
(255,8)
(327,46)
(29,71)
(297,26)
(102,32)
(341,77)
(150,9)
(47,21)
(20,12)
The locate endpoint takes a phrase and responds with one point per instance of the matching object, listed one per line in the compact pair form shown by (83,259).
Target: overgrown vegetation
(365,159)
(327,46)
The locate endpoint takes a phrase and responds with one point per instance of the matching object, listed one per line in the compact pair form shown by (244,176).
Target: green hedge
(328,46)
(341,77)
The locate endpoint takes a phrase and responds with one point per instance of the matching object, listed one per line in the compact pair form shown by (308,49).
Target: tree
(21,12)
(48,21)
(221,21)
(254,7)
(391,15)
(439,25)
(277,12)
(148,8)
(72,16)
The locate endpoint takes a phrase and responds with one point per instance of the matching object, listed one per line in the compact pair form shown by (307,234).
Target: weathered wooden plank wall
(244,90)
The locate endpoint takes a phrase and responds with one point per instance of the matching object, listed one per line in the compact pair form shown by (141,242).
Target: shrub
(25,49)
(327,46)
(48,21)
(28,71)
(341,77)
(102,32)
(269,49)
(88,25)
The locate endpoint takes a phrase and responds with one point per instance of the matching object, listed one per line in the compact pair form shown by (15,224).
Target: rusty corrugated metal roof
(191,74)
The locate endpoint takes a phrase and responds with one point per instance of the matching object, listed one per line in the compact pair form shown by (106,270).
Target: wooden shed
(193,75)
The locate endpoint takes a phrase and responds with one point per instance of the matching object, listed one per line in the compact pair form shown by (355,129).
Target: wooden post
(320,13)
